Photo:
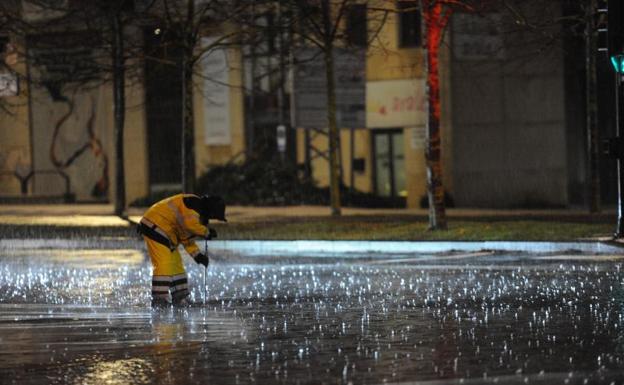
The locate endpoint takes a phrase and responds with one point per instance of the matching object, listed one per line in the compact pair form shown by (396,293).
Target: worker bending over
(167,224)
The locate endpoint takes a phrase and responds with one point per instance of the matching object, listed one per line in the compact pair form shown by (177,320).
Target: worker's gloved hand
(202,259)
(212,233)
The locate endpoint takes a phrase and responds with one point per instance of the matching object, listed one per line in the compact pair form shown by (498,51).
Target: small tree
(321,24)
(119,101)
(184,25)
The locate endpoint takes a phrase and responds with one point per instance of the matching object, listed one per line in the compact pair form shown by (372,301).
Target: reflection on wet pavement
(72,316)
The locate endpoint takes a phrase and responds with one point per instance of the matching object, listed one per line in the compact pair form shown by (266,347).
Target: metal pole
(119,107)
(591,96)
(205,271)
(619,98)
(308,156)
(183,148)
(351,157)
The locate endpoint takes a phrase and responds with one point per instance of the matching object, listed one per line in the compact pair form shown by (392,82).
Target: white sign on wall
(395,103)
(8,84)
(216,94)
(419,137)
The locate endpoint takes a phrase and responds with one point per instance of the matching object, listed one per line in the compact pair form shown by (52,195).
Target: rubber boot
(181,301)
(160,303)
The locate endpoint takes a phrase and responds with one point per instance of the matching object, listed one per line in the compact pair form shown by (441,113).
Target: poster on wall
(395,103)
(418,137)
(69,119)
(216,94)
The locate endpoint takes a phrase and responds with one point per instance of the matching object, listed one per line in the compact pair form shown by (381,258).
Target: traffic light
(615,34)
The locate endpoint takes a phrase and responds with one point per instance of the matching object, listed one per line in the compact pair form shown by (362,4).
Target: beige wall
(320,166)
(15,153)
(135,145)
(385,59)
(363,181)
(416,176)
(15,145)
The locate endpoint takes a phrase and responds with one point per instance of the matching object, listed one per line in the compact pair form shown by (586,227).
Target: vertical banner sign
(309,97)
(216,94)
(350,73)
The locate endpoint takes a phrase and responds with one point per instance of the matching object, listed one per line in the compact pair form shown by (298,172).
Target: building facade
(511,135)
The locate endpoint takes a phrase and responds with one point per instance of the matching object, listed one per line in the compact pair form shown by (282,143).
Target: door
(389,160)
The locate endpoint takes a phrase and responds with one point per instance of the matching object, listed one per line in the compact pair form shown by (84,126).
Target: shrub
(270,182)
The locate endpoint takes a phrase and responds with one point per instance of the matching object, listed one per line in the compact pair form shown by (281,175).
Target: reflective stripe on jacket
(179,223)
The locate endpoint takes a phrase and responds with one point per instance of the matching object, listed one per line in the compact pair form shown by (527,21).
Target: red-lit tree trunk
(435,16)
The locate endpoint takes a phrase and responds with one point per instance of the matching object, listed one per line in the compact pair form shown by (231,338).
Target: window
(409,24)
(269,35)
(356,30)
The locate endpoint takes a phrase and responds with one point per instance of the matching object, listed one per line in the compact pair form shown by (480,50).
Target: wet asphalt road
(82,316)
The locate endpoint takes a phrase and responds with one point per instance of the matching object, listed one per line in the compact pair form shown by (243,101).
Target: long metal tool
(205,271)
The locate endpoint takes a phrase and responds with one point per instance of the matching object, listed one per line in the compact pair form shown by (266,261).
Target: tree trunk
(334,142)
(593,138)
(188,126)
(434,26)
(119,105)
(188,137)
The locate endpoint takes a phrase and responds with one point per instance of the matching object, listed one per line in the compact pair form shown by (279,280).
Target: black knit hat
(210,207)
(213,207)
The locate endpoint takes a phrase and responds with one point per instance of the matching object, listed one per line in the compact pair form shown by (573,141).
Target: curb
(320,248)
(346,249)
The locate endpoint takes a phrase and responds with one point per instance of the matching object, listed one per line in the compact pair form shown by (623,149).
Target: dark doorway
(163,106)
(389,163)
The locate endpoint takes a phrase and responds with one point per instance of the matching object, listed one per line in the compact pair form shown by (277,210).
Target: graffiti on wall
(69,116)
(395,103)
(91,143)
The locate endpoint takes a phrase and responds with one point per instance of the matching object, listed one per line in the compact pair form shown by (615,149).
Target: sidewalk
(103,213)
(97,220)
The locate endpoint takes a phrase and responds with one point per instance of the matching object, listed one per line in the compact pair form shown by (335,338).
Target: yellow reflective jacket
(179,223)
